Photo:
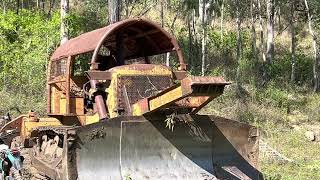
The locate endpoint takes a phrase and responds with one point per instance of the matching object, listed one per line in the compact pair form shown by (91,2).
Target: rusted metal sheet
(209,87)
(193,80)
(13,126)
(191,102)
(179,75)
(139,35)
(68,78)
(84,43)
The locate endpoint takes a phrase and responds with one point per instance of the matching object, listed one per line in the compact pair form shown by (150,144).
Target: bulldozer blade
(142,147)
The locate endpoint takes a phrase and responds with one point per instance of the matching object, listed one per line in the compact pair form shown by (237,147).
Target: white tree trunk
(4,7)
(315,49)
(238,21)
(262,45)
(64,26)
(253,31)
(202,15)
(221,20)
(190,40)
(114,10)
(168,59)
(270,29)
(293,45)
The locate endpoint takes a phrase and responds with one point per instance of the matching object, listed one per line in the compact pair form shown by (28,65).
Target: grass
(283,117)
(292,144)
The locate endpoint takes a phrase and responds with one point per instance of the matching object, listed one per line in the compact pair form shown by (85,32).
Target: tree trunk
(18,7)
(202,14)
(4,7)
(51,5)
(43,5)
(293,43)
(190,39)
(64,25)
(127,8)
(194,23)
(316,59)
(279,19)
(221,20)
(161,14)
(270,29)
(253,31)
(195,40)
(114,11)
(262,45)
(238,20)
(172,32)
(162,25)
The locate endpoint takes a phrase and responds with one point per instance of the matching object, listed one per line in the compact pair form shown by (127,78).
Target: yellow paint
(76,105)
(27,125)
(92,119)
(63,107)
(136,110)
(165,98)
(159,101)
(112,103)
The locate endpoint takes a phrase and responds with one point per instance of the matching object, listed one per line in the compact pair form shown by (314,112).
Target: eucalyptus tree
(64,24)
(114,8)
(293,40)
(270,30)
(316,61)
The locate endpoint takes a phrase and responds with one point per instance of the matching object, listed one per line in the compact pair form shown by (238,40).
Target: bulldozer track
(47,154)
(56,129)
(29,172)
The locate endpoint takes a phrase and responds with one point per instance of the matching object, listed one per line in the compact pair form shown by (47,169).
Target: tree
(262,42)
(114,7)
(204,7)
(221,19)
(238,21)
(202,16)
(316,60)
(64,25)
(270,39)
(293,42)
(270,29)
(253,29)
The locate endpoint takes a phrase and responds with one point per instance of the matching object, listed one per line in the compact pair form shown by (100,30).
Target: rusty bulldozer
(115,113)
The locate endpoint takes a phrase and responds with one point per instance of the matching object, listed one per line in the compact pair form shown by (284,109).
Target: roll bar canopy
(139,37)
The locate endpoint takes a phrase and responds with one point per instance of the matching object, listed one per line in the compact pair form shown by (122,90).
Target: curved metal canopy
(140,38)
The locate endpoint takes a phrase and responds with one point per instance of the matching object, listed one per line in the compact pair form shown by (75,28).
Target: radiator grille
(133,88)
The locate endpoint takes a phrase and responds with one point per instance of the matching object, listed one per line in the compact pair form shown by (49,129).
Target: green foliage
(26,42)
(273,96)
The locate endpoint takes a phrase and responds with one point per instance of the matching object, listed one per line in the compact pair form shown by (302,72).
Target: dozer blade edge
(142,147)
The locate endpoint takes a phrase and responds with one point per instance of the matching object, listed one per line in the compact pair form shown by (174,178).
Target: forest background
(269,49)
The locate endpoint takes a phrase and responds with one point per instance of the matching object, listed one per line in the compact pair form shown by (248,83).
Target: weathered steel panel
(141,38)
(199,147)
